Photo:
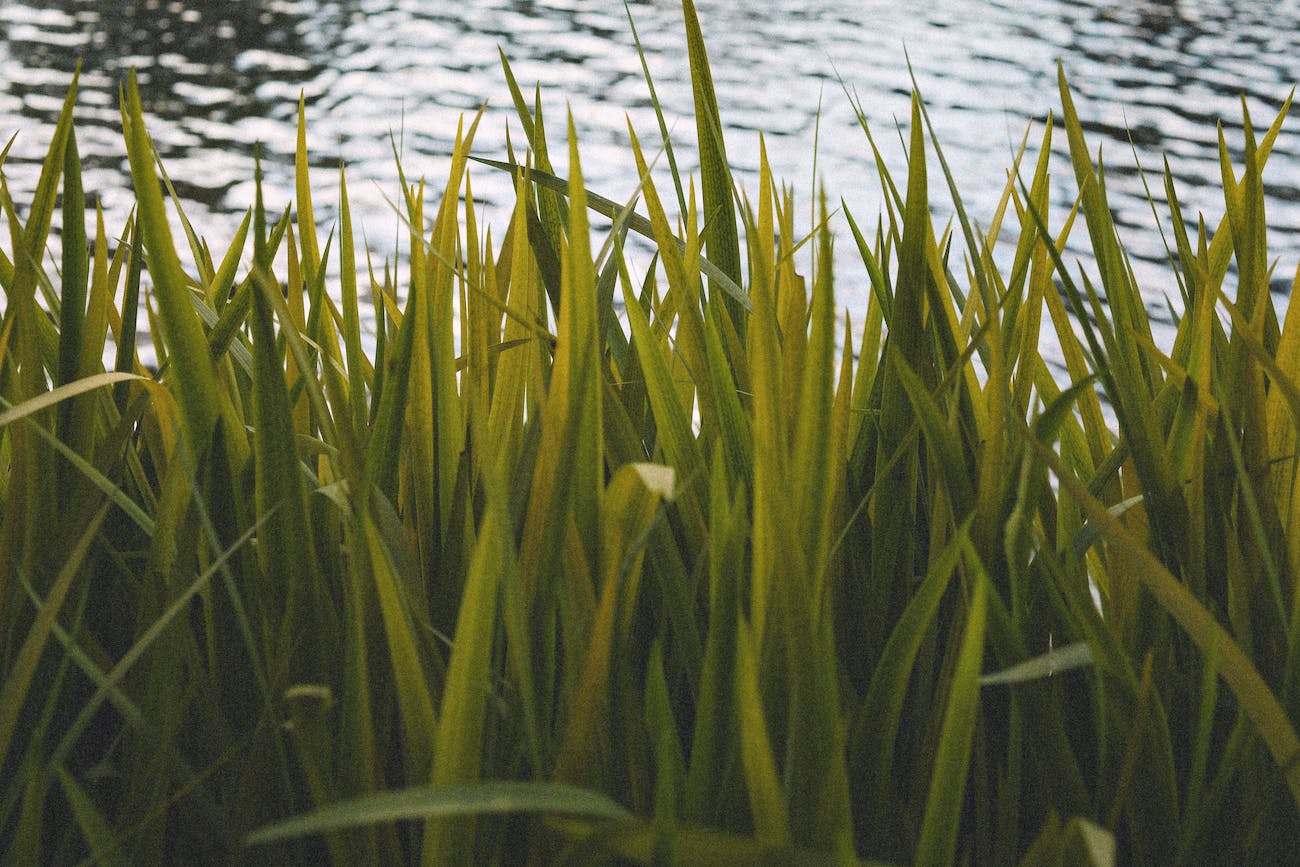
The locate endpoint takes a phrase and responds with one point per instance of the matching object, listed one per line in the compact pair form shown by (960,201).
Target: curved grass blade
(199,393)
(128,506)
(485,798)
(419,721)
(767,801)
(659,113)
(569,489)
(938,841)
(29,240)
(1056,661)
(285,546)
(18,679)
(880,716)
(458,742)
(95,826)
(945,443)
(721,237)
(64,392)
(31,484)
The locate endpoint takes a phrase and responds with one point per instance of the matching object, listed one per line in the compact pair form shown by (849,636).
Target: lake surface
(217,76)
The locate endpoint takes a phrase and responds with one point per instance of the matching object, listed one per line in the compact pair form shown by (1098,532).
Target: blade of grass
(446,801)
(412,683)
(19,678)
(201,399)
(76,277)
(767,802)
(95,826)
(32,499)
(659,114)
(938,839)
(356,362)
(1061,659)
(458,743)
(285,546)
(721,238)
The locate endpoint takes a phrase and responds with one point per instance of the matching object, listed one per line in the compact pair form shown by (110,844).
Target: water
(217,76)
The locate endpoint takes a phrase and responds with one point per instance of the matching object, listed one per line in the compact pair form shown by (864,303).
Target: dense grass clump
(568,566)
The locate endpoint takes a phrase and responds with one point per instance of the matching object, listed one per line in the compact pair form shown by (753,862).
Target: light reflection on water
(219,75)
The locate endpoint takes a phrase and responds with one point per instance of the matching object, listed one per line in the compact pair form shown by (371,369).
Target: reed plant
(566,565)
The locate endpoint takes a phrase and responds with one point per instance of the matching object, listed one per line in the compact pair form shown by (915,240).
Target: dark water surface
(219,75)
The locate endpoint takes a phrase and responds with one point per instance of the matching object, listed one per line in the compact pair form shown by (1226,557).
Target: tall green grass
(569,566)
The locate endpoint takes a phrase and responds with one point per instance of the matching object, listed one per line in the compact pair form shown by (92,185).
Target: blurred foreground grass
(576,567)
